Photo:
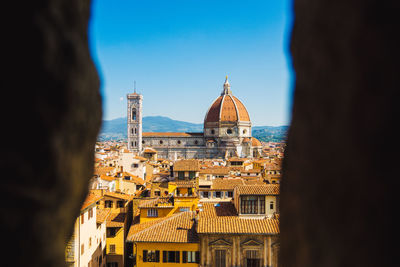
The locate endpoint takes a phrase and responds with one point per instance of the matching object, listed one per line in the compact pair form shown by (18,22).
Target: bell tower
(134,120)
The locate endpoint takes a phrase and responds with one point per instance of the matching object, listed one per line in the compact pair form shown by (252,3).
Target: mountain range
(116,129)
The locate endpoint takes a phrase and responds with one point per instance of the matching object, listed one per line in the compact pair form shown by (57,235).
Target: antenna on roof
(134,86)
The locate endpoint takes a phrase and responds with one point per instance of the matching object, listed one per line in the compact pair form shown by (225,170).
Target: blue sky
(179,52)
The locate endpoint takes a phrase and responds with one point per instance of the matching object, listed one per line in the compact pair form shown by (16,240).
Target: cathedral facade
(227,132)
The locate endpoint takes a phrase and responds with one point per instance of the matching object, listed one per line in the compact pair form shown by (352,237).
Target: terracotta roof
(116,220)
(178,228)
(226,184)
(91,199)
(118,195)
(267,189)
(135,228)
(221,218)
(255,142)
(236,225)
(215,170)
(150,150)
(107,178)
(187,165)
(103,170)
(102,215)
(213,210)
(227,108)
(172,134)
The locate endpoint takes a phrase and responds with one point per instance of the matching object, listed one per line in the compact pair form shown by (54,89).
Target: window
(90,213)
(190,191)
(152,213)
(205,194)
(196,142)
(112,264)
(151,256)
(252,259)
(108,204)
(212,131)
(157,193)
(181,175)
(90,242)
(218,194)
(179,142)
(220,258)
(192,174)
(230,193)
(135,130)
(82,249)
(120,204)
(244,131)
(133,114)
(82,218)
(252,204)
(171,256)
(229,131)
(161,142)
(132,130)
(135,144)
(143,142)
(190,257)
(111,231)
(112,249)
(271,205)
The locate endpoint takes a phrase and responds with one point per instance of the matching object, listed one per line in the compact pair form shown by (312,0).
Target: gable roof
(267,189)
(178,228)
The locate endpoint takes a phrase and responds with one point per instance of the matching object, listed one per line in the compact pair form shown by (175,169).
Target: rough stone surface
(340,170)
(51,114)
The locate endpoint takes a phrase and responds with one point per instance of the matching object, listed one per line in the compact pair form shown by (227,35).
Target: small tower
(134,120)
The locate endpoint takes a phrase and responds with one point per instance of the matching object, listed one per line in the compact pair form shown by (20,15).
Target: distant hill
(117,128)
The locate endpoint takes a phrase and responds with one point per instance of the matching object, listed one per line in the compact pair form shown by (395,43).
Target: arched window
(132,130)
(135,131)
(133,114)
(229,131)
(135,144)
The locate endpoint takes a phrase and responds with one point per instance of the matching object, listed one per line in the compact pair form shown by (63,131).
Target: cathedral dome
(227,108)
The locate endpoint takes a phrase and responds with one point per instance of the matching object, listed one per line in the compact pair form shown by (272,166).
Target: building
(119,207)
(168,241)
(227,132)
(134,117)
(88,242)
(244,232)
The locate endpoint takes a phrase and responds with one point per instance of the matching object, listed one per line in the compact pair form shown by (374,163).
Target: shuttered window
(171,256)
(220,258)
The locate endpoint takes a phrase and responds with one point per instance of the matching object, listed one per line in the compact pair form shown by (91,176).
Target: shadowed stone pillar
(51,116)
(339,184)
